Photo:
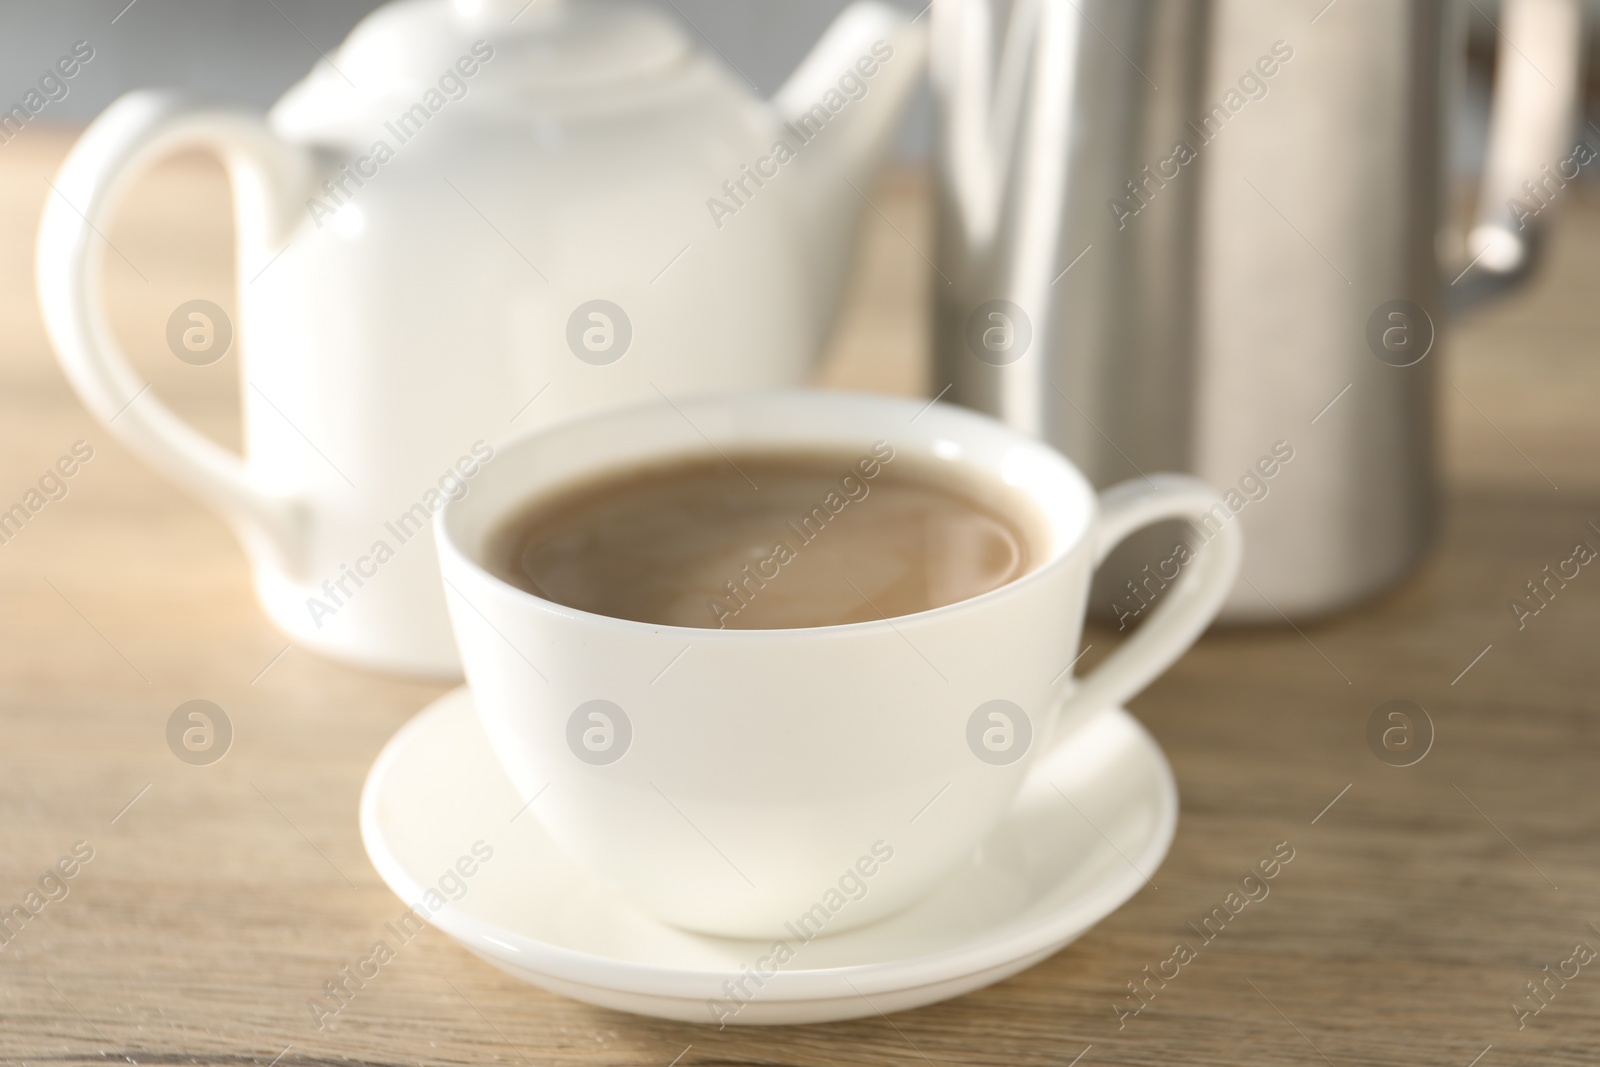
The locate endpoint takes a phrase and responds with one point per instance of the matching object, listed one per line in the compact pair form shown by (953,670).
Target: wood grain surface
(218,899)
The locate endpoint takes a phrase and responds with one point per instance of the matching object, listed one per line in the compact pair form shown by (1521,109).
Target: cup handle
(127,138)
(1188,607)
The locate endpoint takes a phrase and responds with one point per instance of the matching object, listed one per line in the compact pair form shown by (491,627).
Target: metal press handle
(1531,153)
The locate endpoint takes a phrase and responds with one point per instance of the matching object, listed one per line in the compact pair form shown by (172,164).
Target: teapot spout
(842,107)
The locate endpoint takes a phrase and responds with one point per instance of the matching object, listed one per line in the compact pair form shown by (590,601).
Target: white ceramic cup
(782,783)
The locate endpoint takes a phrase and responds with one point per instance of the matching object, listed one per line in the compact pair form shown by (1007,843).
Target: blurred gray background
(250,51)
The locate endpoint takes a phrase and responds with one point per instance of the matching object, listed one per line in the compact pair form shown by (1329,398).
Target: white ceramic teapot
(474,218)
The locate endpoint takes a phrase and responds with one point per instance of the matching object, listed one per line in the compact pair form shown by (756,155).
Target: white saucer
(1040,880)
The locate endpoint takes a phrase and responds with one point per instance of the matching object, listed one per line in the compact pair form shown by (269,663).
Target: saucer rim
(1008,942)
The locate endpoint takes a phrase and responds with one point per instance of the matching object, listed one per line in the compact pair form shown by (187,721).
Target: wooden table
(219,898)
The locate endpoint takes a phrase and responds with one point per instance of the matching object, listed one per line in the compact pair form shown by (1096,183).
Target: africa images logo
(852,885)
(452,86)
(852,86)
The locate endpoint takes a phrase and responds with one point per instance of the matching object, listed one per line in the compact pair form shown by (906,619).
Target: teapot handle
(128,137)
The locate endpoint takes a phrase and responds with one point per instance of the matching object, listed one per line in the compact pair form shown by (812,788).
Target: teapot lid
(514,49)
